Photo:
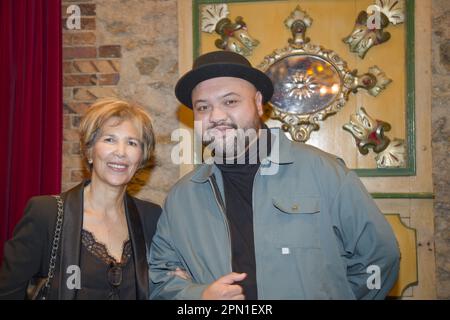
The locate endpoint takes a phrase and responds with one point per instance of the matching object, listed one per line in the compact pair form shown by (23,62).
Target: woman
(106,233)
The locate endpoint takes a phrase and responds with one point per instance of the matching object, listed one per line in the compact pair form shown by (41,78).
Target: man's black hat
(221,64)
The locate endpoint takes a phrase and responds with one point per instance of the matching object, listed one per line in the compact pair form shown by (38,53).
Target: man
(307,230)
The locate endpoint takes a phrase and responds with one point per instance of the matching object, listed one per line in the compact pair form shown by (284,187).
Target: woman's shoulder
(41,206)
(42,201)
(40,212)
(146,206)
(149,213)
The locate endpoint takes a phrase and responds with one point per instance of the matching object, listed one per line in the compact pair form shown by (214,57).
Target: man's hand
(225,289)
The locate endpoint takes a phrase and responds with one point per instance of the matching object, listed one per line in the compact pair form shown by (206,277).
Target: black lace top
(102,277)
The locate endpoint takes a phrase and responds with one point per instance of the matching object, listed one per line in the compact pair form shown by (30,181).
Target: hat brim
(187,83)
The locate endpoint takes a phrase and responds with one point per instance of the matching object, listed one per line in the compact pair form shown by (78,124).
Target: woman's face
(117,153)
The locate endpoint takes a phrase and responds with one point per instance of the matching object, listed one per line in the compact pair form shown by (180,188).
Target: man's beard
(233,143)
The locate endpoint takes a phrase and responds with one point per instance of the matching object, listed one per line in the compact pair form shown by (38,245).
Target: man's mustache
(223,124)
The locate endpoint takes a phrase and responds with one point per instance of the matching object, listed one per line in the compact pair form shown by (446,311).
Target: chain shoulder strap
(55,244)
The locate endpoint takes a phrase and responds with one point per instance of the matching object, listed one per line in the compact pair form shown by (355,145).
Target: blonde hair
(104,109)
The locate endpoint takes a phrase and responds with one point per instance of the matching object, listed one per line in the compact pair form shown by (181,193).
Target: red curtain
(30,106)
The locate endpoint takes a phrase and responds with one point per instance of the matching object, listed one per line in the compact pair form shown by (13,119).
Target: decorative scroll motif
(392,9)
(369,133)
(234,36)
(370,24)
(312,82)
(374,81)
(393,156)
(298,22)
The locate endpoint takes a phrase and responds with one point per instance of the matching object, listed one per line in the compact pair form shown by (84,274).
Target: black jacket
(27,254)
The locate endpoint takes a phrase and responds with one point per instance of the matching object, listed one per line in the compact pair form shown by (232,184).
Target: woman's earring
(90,161)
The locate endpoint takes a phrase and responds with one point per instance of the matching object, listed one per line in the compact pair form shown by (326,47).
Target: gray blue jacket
(318,233)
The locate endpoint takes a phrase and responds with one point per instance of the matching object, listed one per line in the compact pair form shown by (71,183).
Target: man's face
(224,105)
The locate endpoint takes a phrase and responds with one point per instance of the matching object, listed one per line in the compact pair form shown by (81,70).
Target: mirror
(304,83)
(310,81)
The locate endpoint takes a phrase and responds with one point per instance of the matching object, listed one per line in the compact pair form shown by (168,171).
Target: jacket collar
(136,232)
(280,154)
(70,237)
(284,147)
(70,246)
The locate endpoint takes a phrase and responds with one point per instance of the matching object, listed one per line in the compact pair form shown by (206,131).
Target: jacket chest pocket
(296,222)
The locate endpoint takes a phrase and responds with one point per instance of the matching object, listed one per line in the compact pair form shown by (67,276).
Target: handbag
(39,287)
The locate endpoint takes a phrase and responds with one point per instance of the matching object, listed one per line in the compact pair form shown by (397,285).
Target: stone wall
(127,49)
(441,142)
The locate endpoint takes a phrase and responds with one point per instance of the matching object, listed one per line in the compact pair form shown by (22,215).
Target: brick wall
(126,49)
(90,71)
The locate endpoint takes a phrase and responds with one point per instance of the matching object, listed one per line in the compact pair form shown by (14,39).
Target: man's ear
(258,102)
